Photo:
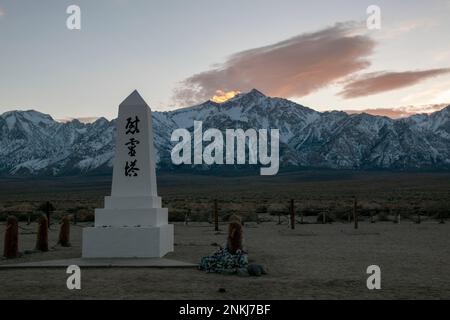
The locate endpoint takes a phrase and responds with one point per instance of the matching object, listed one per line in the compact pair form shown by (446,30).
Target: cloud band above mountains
(292,68)
(378,82)
(400,112)
(300,66)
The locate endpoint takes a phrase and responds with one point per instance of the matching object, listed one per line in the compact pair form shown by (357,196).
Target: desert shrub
(342,213)
(85,215)
(309,212)
(251,217)
(262,209)
(76,209)
(177,215)
(383,216)
(365,212)
(34,216)
(276,209)
(200,216)
(328,219)
(21,216)
(46,207)
(441,213)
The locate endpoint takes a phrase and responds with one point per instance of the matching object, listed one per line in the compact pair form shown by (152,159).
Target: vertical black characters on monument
(132,125)
(132,144)
(130,169)
(132,128)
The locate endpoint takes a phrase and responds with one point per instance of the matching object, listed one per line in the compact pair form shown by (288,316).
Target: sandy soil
(311,262)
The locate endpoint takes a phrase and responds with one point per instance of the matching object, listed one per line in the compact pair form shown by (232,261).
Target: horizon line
(401,111)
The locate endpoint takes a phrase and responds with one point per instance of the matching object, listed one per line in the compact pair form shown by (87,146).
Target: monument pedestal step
(114,202)
(115,242)
(151,217)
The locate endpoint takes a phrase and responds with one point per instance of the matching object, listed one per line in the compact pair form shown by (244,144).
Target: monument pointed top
(134,99)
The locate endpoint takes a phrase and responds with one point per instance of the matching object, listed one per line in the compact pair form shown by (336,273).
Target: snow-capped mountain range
(33,143)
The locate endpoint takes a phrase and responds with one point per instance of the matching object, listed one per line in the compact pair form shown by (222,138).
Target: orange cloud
(221,96)
(292,68)
(378,82)
(81,119)
(400,112)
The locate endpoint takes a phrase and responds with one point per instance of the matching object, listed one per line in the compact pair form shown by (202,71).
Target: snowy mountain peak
(256,94)
(25,119)
(33,143)
(253,95)
(30,115)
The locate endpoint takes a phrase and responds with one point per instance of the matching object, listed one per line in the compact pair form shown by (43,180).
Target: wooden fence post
(11,244)
(216,216)
(42,234)
(442,218)
(292,209)
(64,232)
(301,217)
(355,212)
(186,217)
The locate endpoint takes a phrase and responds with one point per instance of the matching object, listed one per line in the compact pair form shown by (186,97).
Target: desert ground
(314,261)
(311,262)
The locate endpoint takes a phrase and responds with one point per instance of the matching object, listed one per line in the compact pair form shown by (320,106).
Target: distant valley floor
(378,193)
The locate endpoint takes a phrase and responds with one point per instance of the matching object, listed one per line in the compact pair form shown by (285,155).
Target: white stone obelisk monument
(132,224)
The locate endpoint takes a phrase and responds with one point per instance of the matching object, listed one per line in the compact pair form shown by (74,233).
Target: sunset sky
(181,52)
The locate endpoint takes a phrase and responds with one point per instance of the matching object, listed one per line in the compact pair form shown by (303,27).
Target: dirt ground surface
(313,261)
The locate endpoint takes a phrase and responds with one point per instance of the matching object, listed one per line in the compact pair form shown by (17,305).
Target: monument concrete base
(127,242)
(131,217)
(132,202)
